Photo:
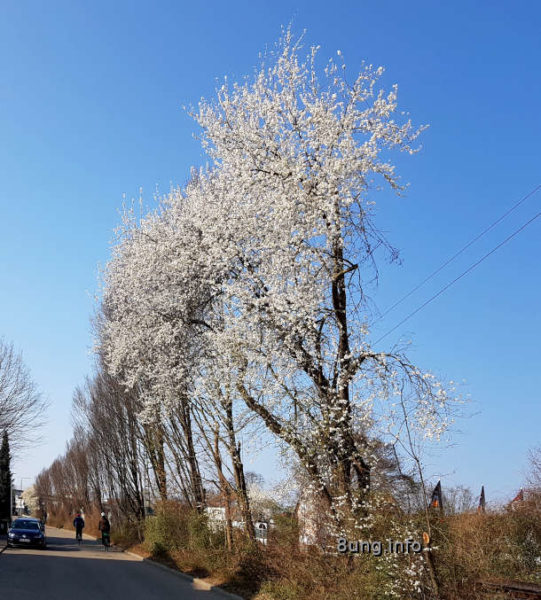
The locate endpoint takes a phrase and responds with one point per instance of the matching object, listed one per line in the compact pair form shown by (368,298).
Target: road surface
(67,571)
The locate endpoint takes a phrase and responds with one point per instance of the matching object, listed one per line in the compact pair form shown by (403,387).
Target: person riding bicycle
(105,527)
(79,524)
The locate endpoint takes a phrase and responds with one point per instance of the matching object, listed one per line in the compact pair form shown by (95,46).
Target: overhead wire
(471,242)
(463,274)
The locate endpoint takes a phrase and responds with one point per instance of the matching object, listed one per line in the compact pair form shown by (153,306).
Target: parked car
(38,521)
(26,532)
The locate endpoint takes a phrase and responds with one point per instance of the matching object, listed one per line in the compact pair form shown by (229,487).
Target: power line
(480,235)
(470,268)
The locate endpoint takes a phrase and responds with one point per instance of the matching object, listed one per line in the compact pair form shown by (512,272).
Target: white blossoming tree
(294,161)
(146,341)
(256,274)
(157,304)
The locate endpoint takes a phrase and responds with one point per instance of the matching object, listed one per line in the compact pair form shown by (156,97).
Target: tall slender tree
(5,480)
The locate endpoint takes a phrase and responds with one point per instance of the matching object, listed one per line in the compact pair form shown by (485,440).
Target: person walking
(79,524)
(105,527)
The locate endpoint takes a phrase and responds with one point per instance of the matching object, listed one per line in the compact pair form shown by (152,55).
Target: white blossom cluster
(254,276)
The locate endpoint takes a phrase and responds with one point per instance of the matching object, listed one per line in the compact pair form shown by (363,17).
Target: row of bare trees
(120,462)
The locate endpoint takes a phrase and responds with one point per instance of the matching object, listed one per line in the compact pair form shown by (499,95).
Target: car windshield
(25,525)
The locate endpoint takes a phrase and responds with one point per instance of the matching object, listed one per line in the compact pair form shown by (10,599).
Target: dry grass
(468,548)
(494,546)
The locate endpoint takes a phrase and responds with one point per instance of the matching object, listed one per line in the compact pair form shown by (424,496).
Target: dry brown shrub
(496,546)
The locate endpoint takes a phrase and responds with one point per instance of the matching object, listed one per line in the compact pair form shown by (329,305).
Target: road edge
(200,583)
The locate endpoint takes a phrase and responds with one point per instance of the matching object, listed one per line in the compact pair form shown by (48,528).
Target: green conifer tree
(5,480)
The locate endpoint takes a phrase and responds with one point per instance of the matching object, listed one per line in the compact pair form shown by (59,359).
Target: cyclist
(79,524)
(105,527)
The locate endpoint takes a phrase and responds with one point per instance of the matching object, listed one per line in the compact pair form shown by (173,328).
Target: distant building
(216,518)
(18,503)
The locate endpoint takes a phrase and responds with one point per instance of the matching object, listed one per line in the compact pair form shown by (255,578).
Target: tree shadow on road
(59,577)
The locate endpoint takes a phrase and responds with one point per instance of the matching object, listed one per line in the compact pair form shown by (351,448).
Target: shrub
(127,534)
(177,527)
(468,547)
(492,546)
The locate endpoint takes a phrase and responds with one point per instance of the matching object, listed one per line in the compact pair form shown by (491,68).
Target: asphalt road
(67,571)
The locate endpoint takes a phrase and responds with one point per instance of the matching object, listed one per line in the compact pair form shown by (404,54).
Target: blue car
(26,532)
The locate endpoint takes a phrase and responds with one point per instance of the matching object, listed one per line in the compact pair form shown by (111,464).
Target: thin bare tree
(21,405)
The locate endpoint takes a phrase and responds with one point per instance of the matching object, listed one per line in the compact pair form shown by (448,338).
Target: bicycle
(106,540)
(79,537)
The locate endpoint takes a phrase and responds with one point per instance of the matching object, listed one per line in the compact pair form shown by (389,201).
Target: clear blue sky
(90,109)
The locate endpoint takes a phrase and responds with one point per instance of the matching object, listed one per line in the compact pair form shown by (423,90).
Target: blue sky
(91,98)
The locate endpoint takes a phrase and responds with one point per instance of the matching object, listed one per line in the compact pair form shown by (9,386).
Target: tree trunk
(155,448)
(226,493)
(195,475)
(238,471)
(346,455)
